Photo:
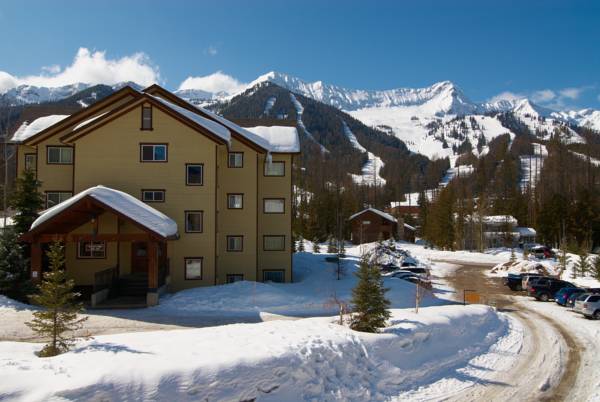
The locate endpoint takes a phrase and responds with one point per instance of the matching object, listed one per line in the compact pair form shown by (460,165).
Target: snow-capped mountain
(29,94)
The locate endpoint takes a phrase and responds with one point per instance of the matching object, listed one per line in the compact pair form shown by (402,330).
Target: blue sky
(547,50)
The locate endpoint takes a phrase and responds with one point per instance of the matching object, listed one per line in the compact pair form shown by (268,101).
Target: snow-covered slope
(27,94)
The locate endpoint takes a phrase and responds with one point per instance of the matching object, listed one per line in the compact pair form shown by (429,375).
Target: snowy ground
(443,349)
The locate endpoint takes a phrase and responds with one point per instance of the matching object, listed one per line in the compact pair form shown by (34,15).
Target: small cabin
(371,224)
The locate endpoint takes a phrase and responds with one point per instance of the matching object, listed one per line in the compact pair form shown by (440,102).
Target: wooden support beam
(152,266)
(36,262)
(108,237)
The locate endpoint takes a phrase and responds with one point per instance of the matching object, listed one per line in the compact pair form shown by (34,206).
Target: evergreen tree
(60,314)
(581,266)
(331,246)
(316,246)
(26,200)
(513,256)
(563,259)
(596,268)
(300,244)
(14,267)
(368,299)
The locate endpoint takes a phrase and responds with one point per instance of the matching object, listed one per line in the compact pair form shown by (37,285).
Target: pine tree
(316,246)
(14,267)
(596,268)
(513,256)
(368,299)
(331,246)
(300,244)
(26,200)
(563,260)
(60,314)
(581,267)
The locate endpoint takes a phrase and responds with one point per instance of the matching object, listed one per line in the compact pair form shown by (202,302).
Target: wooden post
(152,296)
(36,262)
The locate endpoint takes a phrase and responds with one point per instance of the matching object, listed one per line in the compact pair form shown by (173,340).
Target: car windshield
(583,297)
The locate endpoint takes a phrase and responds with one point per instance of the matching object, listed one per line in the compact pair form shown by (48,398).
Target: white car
(578,304)
(590,306)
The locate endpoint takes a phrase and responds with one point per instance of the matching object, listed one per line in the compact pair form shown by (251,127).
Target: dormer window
(146,117)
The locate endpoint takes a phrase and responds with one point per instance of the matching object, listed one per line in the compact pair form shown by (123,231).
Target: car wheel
(597,315)
(544,297)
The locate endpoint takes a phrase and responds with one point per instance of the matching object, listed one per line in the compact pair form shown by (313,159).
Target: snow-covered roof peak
(28,130)
(121,202)
(384,215)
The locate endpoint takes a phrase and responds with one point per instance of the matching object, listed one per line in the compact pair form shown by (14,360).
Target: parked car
(563,295)
(544,289)
(528,277)
(514,281)
(590,306)
(542,252)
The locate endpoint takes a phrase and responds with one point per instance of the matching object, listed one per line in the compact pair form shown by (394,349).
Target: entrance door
(139,257)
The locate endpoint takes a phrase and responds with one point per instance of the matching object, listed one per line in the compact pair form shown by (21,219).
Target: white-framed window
(91,249)
(146,117)
(60,155)
(153,152)
(56,197)
(274,205)
(153,195)
(275,168)
(235,160)
(274,275)
(193,221)
(235,201)
(235,243)
(194,174)
(30,161)
(274,243)
(193,268)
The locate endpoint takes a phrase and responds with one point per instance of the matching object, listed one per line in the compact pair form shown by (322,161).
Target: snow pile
(523,266)
(121,202)
(315,285)
(309,359)
(28,130)
(10,304)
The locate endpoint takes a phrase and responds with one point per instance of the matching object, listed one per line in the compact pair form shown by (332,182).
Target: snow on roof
(91,119)
(218,129)
(406,225)
(279,138)
(384,215)
(500,219)
(523,231)
(122,202)
(28,130)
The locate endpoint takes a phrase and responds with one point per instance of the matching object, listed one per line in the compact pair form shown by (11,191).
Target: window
(91,249)
(232,278)
(56,197)
(146,118)
(193,268)
(194,174)
(30,161)
(153,152)
(274,276)
(235,243)
(153,195)
(274,243)
(274,205)
(235,201)
(275,169)
(60,155)
(235,160)
(193,221)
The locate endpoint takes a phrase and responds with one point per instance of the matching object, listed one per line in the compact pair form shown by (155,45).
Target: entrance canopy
(89,204)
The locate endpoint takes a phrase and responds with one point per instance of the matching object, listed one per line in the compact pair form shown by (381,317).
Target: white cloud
(92,68)
(211,50)
(571,93)
(214,83)
(543,96)
(506,96)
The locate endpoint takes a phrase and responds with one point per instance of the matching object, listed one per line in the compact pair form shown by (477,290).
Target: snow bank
(308,359)
(279,138)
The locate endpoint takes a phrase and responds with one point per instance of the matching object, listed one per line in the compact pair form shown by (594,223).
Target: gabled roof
(76,211)
(384,215)
(86,113)
(27,130)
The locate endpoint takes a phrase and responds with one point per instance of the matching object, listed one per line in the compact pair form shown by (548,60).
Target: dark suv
(544,289)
